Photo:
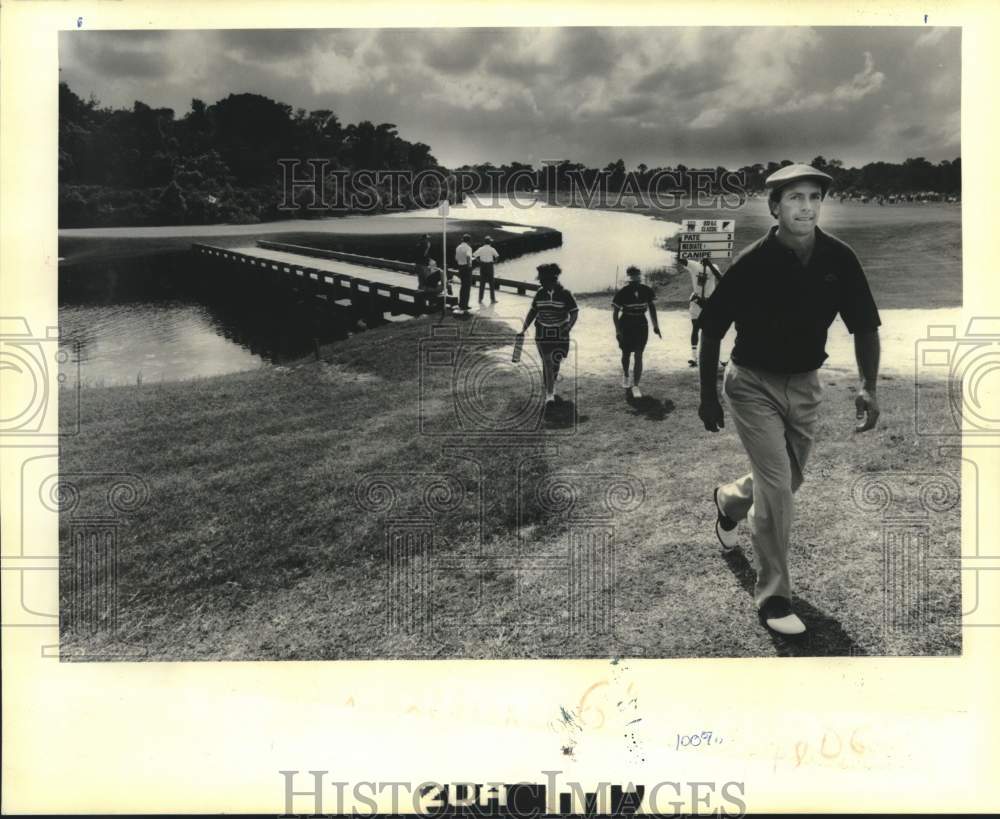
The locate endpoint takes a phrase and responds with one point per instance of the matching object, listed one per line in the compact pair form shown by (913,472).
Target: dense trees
(219,163)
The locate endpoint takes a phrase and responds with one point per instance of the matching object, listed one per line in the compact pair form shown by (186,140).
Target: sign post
(706,239)
(443,210)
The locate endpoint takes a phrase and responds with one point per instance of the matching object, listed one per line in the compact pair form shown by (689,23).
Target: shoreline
(596,353)
(79,246)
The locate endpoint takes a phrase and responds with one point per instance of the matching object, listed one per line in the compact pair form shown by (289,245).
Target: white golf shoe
(778,616)
(725,527)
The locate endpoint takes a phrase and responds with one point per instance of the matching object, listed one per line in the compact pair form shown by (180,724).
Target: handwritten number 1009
(697,740)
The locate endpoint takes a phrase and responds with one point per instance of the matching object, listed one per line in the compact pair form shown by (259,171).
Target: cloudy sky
(701,96)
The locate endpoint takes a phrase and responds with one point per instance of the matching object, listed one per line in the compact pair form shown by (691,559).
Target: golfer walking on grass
(783,293)
(629,308)
(553,311)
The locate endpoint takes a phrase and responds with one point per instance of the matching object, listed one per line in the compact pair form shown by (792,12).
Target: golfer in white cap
(782,293)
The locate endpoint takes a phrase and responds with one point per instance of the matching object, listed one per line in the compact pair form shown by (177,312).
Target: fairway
(258,541)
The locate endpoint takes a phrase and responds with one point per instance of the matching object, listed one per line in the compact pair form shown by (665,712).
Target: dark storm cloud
(113,54)
(587,52)
(268,45)
(130,63)
(457,51)
(680,82)
(912,131)
(520,69)
(655,95)
(629,106)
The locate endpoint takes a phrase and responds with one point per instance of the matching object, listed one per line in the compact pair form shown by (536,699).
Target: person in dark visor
(629,308)
(783,293)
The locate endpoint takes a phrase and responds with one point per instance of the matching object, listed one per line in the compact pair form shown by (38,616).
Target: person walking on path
(782,293)
(463,258)
(553,311)
(703,283)
(629,308)
(486,255)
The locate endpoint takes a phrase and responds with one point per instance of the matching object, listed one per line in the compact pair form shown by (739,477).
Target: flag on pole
(443,210)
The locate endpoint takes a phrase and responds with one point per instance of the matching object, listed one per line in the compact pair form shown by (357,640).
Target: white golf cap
(796,173)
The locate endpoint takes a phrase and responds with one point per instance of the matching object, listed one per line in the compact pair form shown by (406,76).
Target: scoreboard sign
(707,225)
(689,245)
(704,254)
(706,239)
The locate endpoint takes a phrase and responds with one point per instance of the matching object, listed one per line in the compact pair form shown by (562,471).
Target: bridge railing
(522,288)
(330,284)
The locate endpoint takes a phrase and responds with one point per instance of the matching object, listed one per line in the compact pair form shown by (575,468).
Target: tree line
(219,164)
(915,176)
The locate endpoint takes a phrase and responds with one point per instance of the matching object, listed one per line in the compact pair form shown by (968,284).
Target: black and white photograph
(482,343)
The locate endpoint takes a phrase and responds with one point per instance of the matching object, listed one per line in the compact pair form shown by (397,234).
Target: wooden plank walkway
(333,281)
(502,284)
(342,277)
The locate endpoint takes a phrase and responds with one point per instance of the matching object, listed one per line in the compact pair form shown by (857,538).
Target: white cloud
(764,65)
(709,118)
(931,37)
(862,84)
(865,82)
(327,70)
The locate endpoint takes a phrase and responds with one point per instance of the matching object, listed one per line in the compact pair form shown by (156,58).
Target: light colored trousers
(775,416)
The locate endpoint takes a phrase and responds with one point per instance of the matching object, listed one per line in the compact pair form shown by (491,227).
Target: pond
(152,318)
(597,245)
(149,319)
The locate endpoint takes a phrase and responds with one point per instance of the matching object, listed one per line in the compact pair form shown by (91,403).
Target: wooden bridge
(366,284)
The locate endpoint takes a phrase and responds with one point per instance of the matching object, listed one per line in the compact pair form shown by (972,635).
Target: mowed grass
(255,543)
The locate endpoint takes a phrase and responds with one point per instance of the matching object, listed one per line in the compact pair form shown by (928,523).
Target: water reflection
(164,318)
(597,245)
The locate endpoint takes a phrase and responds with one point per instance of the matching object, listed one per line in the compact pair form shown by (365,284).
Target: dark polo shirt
(782,309)
(633,300)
